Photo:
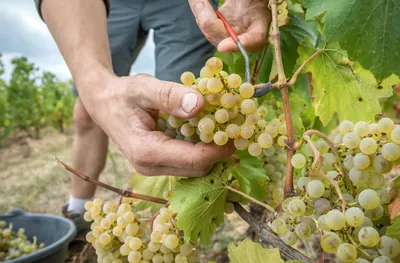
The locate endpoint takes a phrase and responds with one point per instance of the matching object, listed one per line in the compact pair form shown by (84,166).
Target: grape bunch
(275,158)
(15,244)
(345,195)
(229,112)
(120,235)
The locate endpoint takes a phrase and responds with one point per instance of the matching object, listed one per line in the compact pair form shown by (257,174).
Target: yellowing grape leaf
(248,251)
(200,202)
(251,175)
(394,229)
(152,186)
(350,92)
(369,30)
(282,11)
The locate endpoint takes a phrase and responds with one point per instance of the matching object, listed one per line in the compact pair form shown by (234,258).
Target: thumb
(176,99)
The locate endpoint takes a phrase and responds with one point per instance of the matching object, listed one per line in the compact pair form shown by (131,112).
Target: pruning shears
(264,89)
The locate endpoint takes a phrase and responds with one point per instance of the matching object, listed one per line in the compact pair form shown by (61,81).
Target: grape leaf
(199,203)
(340,88)
(266,67)
(293,261)
(251,175)
(369,30)
(249,251)
(303,114)
(394,229)
(292,35)
(283,13)
(152,186)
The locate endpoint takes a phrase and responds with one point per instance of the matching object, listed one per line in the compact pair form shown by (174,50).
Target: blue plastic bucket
(54,231)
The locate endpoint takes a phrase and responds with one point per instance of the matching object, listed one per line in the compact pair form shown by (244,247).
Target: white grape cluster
(366,152)
(15,244)
(165,244)
(275,158)
(119,235)
(229,112)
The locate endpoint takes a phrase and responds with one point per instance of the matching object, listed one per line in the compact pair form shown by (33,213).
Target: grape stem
(121,192)
(250,198)
(317,155)
(315,169)
(334,151)
(357,246)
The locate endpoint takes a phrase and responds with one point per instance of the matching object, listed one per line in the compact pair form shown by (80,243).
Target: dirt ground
(34,181)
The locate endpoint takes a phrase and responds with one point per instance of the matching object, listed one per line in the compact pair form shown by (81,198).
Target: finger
(253,39)
(176,99)
(198,156)
(168,170)
(207,20)
(161,150)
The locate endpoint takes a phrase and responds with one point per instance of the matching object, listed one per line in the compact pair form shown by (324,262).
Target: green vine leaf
(249,251)
(340,87)
(369,30)
(303,114)
(394,229)
(152,186)
(251,175)
(292,35)
(199,203)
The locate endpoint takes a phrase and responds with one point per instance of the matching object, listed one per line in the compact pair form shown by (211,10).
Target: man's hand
(128,110)
(250,20)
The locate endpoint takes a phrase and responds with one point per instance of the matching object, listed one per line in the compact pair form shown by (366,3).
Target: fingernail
(199,6)
(189,102)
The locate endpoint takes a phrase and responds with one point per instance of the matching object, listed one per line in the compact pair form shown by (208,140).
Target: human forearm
(82,40)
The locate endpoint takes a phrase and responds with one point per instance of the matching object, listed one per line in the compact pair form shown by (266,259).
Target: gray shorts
(180,45)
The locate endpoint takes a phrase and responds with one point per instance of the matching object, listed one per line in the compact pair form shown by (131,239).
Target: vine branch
(259,64)
(121,192)
(302,66)
(283,87)
(266,235)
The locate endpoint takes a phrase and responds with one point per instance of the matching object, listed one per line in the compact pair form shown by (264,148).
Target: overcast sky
(22,33)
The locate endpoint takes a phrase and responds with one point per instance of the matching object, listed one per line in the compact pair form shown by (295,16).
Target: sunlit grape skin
(315,188)
(298,161)
(368,236)
(335,220)
(347,252)
(354,216)
(369,199)
(330,242)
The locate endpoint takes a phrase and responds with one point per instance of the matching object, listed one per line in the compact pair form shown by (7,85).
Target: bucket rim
(47,250)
